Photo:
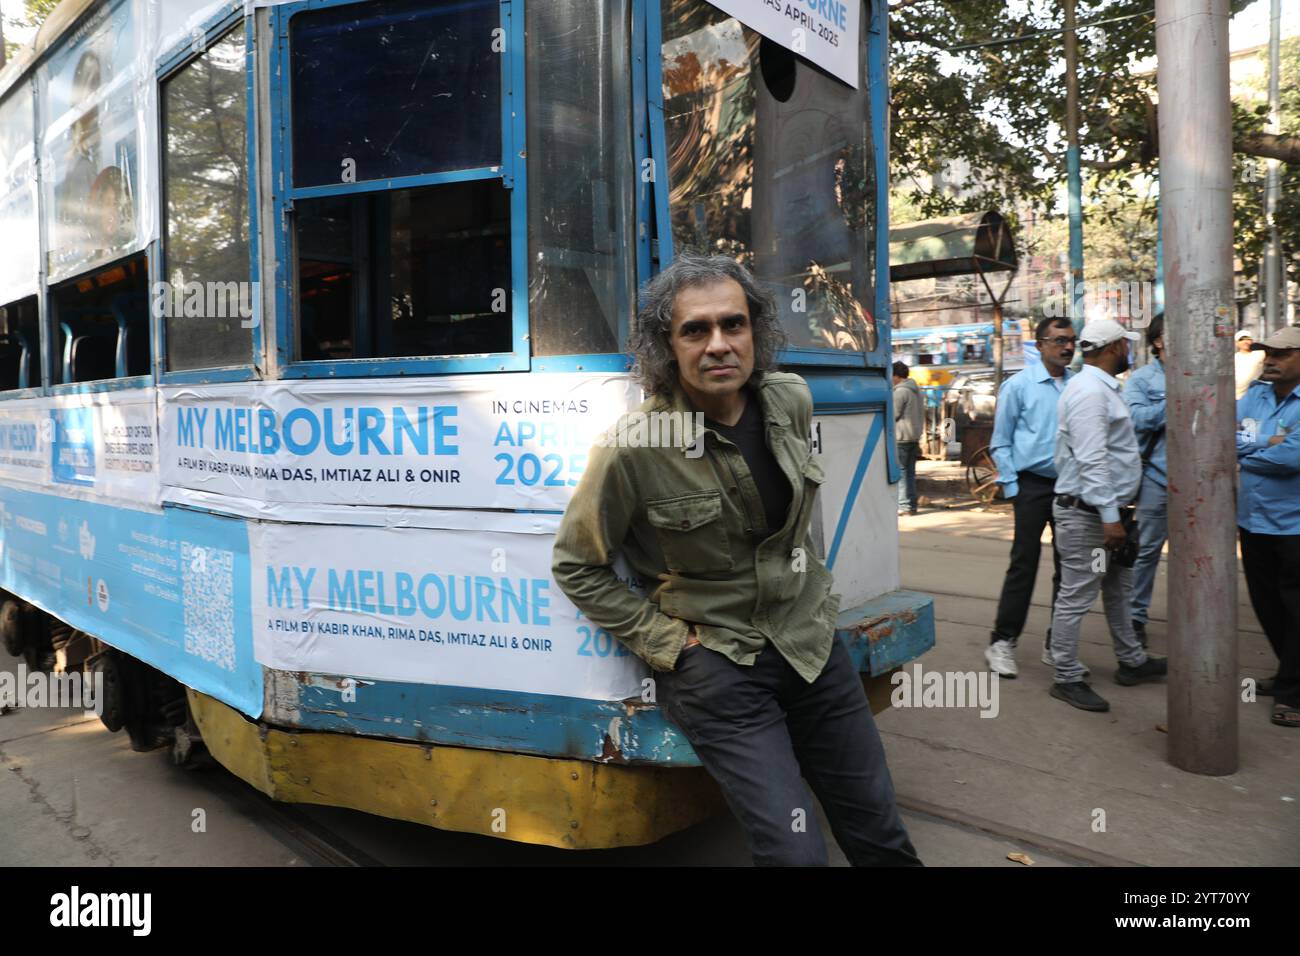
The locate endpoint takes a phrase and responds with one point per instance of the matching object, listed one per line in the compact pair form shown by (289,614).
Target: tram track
(317,845)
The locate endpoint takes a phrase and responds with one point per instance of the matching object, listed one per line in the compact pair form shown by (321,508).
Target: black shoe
(1140,629)
(1078,694)
(1150,669)
(1264,688)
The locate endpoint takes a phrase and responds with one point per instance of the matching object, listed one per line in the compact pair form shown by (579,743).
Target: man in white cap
(1268,512)
(1098,468)
(1247,363)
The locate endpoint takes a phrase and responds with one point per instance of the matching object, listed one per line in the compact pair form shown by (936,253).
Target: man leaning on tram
(740,629)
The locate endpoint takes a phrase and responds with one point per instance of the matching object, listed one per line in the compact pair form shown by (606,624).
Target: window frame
(874,62)
(41,289)
(512,172)
(170,64)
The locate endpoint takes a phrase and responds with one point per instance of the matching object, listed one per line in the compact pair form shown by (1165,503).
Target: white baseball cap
(1101,332)
(1243,334)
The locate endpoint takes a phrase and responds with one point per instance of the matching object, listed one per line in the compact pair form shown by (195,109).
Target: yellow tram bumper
(571,804)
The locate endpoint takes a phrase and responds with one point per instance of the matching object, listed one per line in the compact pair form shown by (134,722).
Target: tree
(981,80)
(34,14)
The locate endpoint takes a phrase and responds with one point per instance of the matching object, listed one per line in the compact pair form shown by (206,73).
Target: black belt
(1072,501)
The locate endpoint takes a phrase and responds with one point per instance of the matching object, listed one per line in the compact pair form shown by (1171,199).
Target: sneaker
(1078,694)
(1001,656)
(1150,669)
(1140,629)
(1047,655)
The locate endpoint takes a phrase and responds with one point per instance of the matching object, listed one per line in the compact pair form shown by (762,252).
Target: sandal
(1285,716)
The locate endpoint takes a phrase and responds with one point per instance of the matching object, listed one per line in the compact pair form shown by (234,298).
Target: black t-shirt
(773,486)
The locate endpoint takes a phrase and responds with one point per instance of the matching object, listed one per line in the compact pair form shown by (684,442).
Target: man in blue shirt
(1098,471)
(1024,441)
(1268,512)
(1145,394)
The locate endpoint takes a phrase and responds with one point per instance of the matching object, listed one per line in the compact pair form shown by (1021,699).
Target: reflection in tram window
(205,180)
(770,162)
(579,190)
(90,155)
(20,345)
(395,88)
(407,273)
(102,324)
(20,248)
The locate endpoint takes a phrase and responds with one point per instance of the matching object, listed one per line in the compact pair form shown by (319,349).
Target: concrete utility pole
(1273,184)
(1196,187)
(1074,174)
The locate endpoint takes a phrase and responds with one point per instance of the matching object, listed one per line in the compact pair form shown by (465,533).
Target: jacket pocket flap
(685,513)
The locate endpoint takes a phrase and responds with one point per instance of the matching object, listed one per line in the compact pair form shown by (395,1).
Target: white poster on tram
(498,441)
(83,446)
(823,31)
(105,446)
(468,609)
(25,432)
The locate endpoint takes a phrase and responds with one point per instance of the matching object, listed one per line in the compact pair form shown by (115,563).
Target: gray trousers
(1086,568)
(1153,528)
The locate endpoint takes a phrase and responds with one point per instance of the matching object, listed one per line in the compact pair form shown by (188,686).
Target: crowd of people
(1081,453)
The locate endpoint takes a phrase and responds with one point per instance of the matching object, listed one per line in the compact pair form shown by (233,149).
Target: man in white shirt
(1247,363)
(1099,470)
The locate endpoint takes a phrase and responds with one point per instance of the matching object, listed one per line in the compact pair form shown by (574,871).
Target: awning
(953,246)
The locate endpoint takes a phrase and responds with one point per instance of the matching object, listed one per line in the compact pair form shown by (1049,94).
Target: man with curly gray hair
(739,626)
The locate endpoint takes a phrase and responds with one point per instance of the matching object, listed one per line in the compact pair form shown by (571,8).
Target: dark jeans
(1033,506)
(908,453)
(758,729)
(1272,566)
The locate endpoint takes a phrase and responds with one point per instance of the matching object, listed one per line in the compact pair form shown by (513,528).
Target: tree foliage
(1001,107)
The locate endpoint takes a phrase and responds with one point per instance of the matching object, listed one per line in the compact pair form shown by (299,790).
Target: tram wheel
(105,663)
(11,626)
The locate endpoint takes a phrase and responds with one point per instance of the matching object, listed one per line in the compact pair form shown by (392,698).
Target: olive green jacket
(692,527)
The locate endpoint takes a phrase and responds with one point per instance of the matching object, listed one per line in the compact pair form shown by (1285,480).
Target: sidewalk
(1043,772)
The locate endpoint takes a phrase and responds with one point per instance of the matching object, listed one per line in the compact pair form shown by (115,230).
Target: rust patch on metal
(634,704)
(609,752)
(878,628)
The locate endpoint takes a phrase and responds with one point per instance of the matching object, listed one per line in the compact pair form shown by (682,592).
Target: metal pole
(1196,185)
(1273,183)
(1073,167)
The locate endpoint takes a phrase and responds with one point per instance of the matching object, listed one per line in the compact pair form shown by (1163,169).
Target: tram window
(579,189)
(102,324)
(20,345)
(205,182)
(771,162)
(406,273)
(90,144)
(395,88)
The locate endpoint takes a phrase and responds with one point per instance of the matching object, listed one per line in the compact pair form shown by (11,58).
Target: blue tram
(311,311)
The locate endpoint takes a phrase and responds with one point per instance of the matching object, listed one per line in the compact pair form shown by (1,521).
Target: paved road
(72,794)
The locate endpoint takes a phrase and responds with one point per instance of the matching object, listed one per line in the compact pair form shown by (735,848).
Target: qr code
(209,591)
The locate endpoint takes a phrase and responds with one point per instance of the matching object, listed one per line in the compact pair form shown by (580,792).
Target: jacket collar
(772,413)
